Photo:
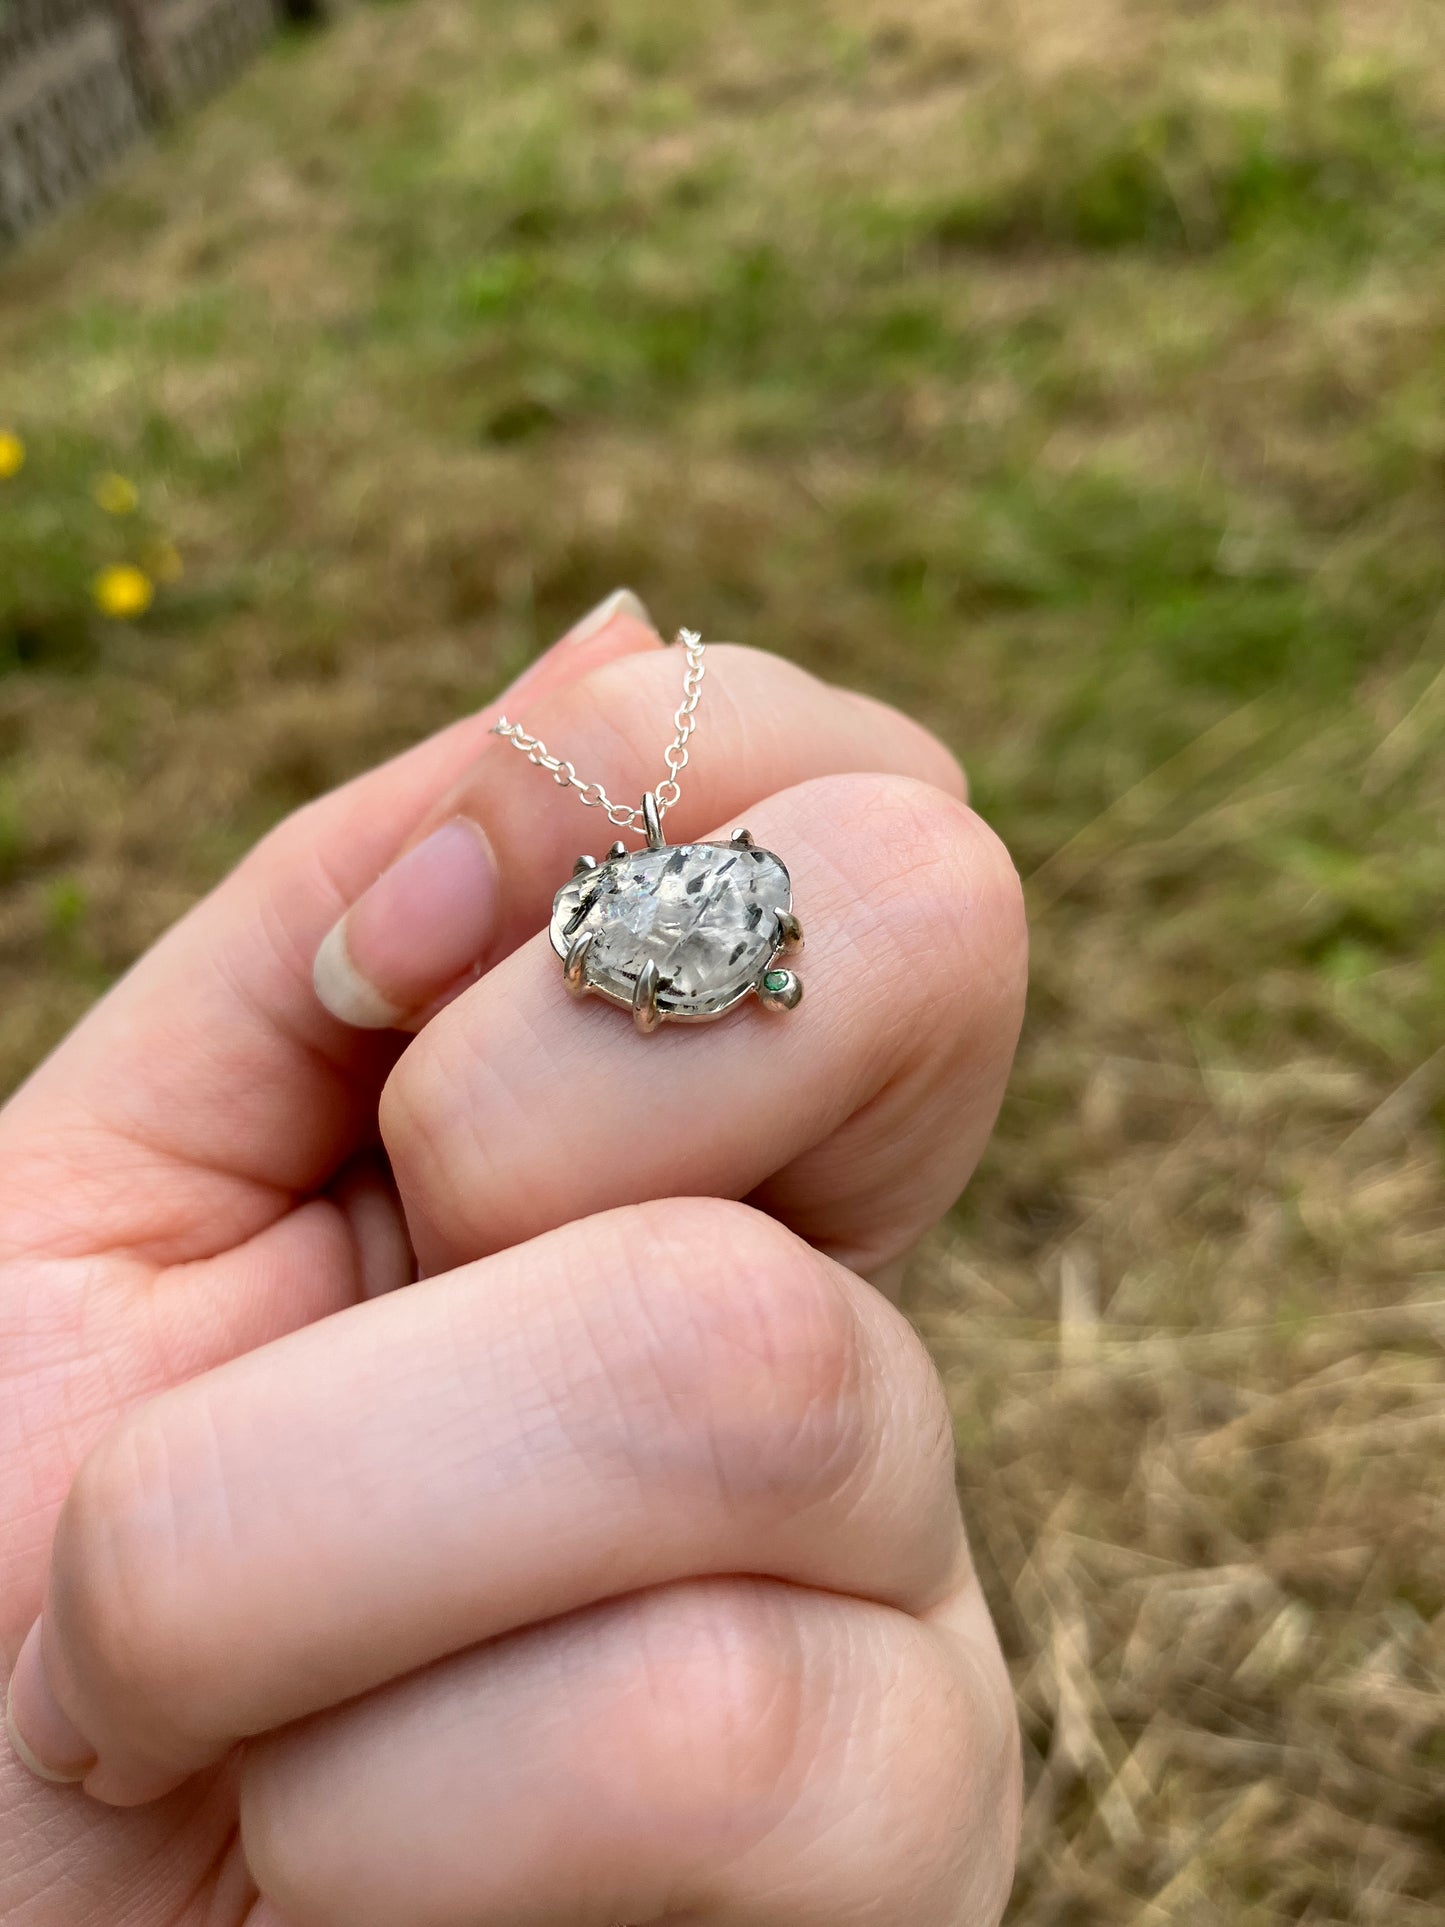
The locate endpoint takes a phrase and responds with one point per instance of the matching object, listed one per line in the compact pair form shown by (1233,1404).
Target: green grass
(1073,375)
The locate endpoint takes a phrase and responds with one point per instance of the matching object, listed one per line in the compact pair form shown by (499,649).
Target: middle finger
(658,1393)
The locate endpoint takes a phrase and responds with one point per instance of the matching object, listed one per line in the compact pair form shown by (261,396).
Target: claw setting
(679,933)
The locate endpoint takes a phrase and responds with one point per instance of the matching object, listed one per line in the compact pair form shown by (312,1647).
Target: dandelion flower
(124,591)
(12,454)
(117,494)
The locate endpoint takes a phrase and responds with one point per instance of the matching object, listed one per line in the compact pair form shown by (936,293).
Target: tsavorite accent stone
(705,913)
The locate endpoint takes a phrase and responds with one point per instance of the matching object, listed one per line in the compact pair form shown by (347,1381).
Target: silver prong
(583,865)
(742,839)
(651,820)
(790,930)
(645,1013)
(619,848)
(575,968)
(780,990)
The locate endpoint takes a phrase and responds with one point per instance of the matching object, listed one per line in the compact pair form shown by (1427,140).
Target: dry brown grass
(1069,371)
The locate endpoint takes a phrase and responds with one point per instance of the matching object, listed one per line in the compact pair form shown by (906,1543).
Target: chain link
(675,755)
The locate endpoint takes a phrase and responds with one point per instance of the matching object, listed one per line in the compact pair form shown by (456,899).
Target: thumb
(212,1060)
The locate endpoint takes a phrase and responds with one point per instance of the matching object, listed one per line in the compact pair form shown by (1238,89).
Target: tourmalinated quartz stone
(709,916)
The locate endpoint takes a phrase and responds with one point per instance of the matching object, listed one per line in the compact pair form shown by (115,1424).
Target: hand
(614,1572)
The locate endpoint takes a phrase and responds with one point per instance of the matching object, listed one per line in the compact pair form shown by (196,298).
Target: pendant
(678,933)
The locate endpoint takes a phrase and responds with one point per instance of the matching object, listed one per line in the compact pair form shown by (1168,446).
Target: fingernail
(557,664)
(423,923)
(621,602)
(43,1737)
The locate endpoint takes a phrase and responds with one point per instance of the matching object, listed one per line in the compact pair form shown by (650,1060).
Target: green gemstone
(776,980)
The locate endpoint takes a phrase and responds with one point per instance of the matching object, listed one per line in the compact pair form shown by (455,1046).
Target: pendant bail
(651,820)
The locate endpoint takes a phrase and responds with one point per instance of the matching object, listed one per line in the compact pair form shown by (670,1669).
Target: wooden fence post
(146,57)
(69,105)
(186,49)
(81,80)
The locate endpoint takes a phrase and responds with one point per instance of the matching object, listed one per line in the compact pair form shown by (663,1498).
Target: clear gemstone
(706,913)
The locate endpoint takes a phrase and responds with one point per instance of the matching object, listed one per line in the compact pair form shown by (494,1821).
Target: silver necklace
(678,933)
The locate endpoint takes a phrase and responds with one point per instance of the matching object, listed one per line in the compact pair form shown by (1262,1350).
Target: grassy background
(1071,371)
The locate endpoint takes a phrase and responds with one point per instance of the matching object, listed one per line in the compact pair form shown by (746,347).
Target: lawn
(1070,371)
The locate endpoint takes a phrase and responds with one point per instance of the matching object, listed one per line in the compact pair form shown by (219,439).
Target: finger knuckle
(748,1701)
(945,1780)
(285,1835)
(917,1422)
(417,1116)
(952,905)
(932,759)
(946,850)
(996,894)
(732,1688)
(751,1345)
(114,1598)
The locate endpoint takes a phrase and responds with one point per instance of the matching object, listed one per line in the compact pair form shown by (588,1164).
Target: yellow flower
(117,494)
(124,591)
(12,454)
(163,560)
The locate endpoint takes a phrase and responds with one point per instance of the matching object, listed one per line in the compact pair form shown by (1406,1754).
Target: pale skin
(612,1570)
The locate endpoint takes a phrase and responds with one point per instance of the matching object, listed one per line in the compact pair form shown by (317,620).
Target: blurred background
(1071,372)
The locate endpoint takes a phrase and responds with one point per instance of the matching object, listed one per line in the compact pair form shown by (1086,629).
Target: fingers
(211,1065)
(727,1752)
(858,1116)
(506,835)
(258,1094)
(670,1390)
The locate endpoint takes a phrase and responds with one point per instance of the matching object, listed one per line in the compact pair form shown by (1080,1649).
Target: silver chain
(675,755)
